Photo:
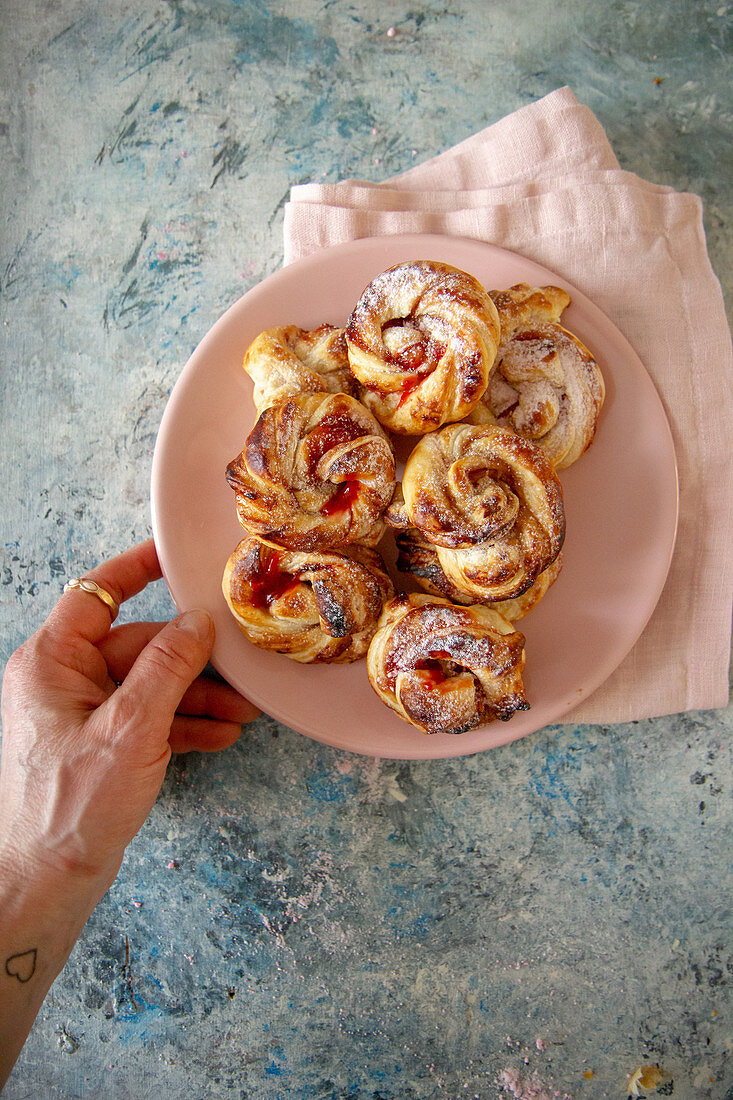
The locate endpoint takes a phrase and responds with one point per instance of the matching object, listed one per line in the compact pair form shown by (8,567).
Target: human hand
(90,718)
(83,759)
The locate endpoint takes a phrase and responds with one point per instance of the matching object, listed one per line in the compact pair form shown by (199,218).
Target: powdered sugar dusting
(422,340)
(557,385)
(490,502)
(446,668)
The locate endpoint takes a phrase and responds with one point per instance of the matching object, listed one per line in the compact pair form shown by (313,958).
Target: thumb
(167,667)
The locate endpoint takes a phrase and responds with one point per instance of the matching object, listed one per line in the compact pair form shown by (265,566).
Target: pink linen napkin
(544,182)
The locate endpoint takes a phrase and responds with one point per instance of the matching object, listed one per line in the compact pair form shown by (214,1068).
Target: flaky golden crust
(547,386)
(419,559)
(288,360)
(522,304)
(317,471)
(317,607)
(422,341)
(489,501)
(444,668)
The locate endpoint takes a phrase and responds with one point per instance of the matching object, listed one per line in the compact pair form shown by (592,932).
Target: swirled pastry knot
(419,559)
(446,669)
(288,360)
(422,341)
(317,471)
(547,386)
(313,607)
(491,504)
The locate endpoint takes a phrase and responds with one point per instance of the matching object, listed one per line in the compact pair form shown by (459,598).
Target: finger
(202,734)
(83,613)
(207,695)
(212,699)
(124,644)
(159,678)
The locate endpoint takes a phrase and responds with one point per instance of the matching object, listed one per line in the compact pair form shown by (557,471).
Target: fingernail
(196,622)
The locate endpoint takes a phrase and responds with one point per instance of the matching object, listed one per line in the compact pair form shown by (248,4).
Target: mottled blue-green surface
(294,921)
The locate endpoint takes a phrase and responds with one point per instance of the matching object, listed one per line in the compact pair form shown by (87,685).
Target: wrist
(42,914)
(64,888)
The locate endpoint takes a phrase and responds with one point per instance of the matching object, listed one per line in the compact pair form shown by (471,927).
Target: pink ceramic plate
(621,507)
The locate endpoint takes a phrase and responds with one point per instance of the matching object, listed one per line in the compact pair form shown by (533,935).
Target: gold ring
(85,584)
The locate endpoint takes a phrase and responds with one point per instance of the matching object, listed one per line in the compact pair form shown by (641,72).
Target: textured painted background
(293,921)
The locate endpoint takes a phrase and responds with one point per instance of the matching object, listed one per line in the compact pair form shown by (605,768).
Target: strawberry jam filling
(269,583)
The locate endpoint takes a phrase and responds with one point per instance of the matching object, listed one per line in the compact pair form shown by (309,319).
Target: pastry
(422,341)
(313,607)
(547,386)
(419,559)
(288,360)
(316,472)
(444,668)
(491,504)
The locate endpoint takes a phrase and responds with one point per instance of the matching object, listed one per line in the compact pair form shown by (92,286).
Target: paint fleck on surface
(68,1043)
(649,1079)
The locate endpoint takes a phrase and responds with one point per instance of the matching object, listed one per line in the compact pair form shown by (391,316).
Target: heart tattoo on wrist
(22,966)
